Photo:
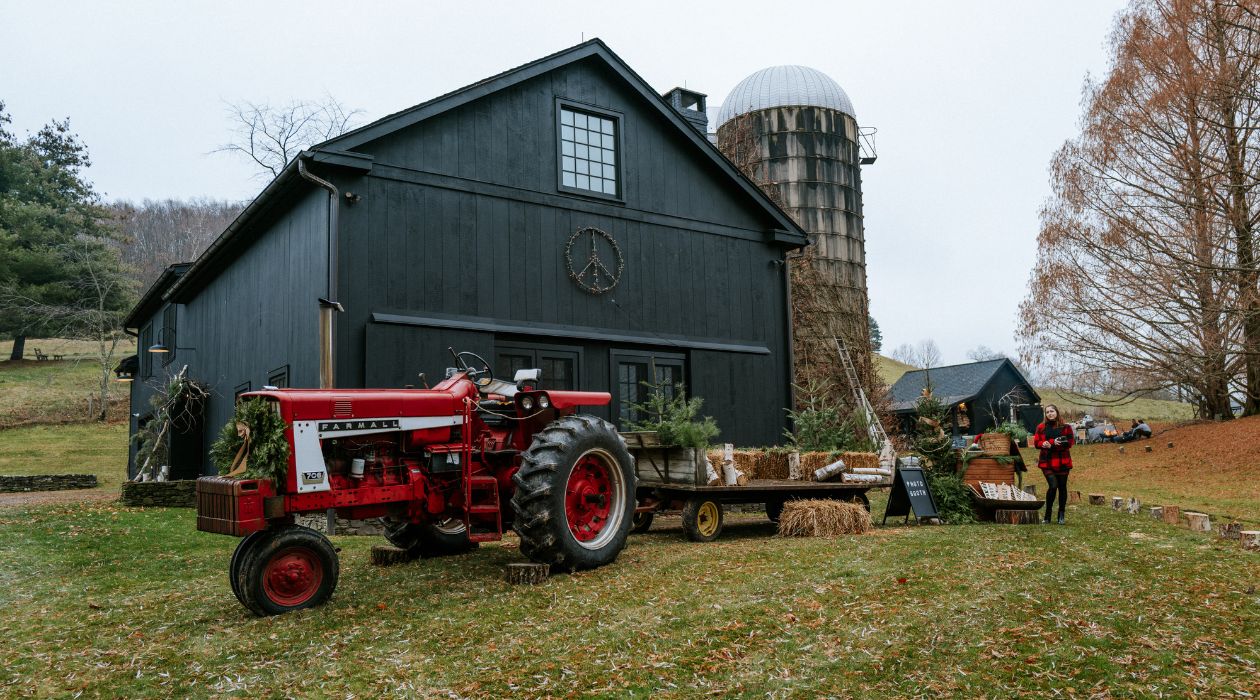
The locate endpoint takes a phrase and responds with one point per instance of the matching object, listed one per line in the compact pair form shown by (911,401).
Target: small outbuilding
(978,395)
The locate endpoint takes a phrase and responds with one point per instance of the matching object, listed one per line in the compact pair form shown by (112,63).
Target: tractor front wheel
(575,494)
(289,568)
(238,554)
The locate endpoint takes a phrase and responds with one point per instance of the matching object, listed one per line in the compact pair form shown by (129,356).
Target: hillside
(55,391)
(890,371)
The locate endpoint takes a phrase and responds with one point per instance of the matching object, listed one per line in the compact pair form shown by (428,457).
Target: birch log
(1074,497)
(1135,506)
(1117,503)
(794,466)
(1199,522)
(1157,513)
(830,471)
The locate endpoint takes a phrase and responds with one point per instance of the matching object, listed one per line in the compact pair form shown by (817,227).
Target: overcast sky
(971,99)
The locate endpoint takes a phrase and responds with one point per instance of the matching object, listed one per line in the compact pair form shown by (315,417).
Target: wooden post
(1250,540)
(1172,514)
(1097,499)
(1157,513)
(1135,506)
(1017,517)
(1229,531)
(1117,503)
(527,572)
(385,555)
(1199,522)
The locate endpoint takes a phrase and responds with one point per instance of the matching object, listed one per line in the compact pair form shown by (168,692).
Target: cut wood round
(1250,540)
(527,572)
(1199,522)
(1097,499)
(1170,445)
(1017,517)
(1135,506)
(1148,448)
(1074,497)
(1172,514)
(1121,450)
(1157,513)
(385,555)
(1229,531)
(1117,502)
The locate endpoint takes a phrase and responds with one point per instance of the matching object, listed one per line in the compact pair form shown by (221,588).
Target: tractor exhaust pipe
(326,305)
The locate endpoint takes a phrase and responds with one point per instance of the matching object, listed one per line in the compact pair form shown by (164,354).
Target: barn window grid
(588,151)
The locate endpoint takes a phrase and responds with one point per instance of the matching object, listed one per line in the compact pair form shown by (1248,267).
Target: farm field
(54,391)
(85,448)
(111,601)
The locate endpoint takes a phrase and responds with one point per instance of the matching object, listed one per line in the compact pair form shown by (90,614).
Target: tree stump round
(1135,506)
(1172,514)
(1148,448)
(1117,502)
(1017,517)
(1121,450)
(1170,445)
(1199,522)
(388,555)
(527,573)
(1157,513)
(1250,540)
(1097,499)
(1074,497)
(1229,531)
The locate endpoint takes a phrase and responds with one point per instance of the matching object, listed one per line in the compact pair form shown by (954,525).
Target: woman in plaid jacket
(1055,439)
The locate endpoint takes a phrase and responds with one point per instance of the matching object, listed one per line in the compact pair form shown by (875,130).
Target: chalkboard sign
(910,490)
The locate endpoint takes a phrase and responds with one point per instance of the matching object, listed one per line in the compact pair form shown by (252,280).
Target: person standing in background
(1055,439)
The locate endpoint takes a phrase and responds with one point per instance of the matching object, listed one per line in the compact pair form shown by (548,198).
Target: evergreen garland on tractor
(266,456)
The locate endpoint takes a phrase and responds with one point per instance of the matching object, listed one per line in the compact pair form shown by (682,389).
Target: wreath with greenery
(258,428)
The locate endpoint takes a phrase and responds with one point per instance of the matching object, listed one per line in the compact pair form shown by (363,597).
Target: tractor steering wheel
(480,377)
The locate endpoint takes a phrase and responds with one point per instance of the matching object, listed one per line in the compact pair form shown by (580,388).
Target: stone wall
(160,494)
(319,521)
(47,482)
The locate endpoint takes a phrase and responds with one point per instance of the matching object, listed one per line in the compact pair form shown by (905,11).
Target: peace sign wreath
(595,276)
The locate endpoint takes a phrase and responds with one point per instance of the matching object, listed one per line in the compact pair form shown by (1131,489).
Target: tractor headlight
(544,402)
(527,403)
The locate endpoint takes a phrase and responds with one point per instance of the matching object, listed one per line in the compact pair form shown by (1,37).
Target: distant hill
(890,371)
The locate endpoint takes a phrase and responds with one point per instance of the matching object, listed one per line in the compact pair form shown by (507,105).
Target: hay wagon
(677,479)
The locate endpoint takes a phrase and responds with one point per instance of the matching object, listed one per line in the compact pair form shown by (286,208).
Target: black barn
(975,394)
(560,215)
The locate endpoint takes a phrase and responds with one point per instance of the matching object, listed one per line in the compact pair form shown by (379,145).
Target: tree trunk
(385,555)
(1017,517)
(19,348)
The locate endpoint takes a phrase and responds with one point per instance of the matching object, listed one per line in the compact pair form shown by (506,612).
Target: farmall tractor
(441,466)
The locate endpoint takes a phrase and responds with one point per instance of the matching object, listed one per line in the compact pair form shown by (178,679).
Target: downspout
(328,304)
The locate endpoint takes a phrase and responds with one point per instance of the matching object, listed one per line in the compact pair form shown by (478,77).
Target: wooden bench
(40,356)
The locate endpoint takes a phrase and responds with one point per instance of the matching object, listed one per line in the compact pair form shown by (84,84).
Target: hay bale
(860,460)
(813,461)
(746,461)
(823,518)
(772,464)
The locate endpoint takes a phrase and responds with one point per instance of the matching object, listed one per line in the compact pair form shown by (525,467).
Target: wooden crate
(985,469)
(657,464)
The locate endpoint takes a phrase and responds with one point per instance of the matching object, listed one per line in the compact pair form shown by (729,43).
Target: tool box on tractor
(446,467)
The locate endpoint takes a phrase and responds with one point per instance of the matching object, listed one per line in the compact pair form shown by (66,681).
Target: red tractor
(438,465)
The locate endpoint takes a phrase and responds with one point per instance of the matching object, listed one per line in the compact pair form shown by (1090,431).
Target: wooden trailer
(677,479)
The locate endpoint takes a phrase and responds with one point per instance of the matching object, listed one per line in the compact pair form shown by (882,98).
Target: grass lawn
(87,448)
(125,602)
(54,391)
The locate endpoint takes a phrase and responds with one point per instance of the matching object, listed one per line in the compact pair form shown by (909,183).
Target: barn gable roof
(339,152)
(952,384)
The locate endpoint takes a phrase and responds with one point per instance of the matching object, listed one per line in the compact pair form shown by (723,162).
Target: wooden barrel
(990,470)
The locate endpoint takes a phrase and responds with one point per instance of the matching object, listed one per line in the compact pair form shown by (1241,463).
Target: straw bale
(823,518)
(771,464)
(860,460)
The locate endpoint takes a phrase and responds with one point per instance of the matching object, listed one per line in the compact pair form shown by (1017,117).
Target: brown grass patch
(823,518)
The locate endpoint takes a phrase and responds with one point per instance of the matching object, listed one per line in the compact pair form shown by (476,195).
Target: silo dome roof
(784,86)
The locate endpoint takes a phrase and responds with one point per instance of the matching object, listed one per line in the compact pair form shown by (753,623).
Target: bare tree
(982,353)
(926,354)
(904,354)
(1146,277)
(159,233)
(270,136)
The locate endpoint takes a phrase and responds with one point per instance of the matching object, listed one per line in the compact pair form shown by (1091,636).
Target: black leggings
(1057,485)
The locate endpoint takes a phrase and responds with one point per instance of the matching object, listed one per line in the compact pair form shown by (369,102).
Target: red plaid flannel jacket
(1056,459)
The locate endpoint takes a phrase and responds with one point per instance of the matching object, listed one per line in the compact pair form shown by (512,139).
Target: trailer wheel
(642,522)
(702,519)
(575,494)
(289,568)
(774,509)
(862,500)
(234,567)
(439,539)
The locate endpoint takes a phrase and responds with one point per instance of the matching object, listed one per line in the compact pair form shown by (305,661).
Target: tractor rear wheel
(575,494)
(288,568)
(439,539)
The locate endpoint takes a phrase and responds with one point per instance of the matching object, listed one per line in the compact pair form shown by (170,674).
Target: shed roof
(339,151)
(952,384)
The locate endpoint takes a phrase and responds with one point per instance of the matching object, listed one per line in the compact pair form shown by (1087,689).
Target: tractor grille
(231,506)
(342,407)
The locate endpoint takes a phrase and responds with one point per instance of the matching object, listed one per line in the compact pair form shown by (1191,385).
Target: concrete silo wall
(807,159)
